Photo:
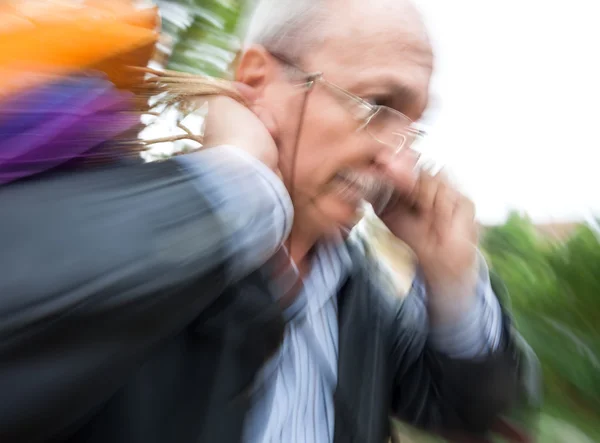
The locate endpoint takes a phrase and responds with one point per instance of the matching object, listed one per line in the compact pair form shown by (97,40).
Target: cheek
(328,134)
(325,133)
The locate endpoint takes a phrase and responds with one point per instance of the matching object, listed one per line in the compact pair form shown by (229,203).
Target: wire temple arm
(310,80)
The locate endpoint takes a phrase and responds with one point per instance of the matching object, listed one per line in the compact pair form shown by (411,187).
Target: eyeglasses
(384,124)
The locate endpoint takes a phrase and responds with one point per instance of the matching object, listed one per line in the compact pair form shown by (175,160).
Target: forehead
(378,51)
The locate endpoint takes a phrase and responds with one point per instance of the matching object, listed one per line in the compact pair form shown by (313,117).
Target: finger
(427,190)
(446,202)
(401,171)
(447,198)
(465,209)
(443,177)
(465,214)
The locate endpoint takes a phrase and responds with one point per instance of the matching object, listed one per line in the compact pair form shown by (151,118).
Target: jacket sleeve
(100,267)
(458,397)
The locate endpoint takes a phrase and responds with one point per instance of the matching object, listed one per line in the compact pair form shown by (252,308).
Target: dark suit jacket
(118,324)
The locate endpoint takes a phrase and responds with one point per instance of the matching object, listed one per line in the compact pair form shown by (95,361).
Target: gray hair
(292,27)
(288,27)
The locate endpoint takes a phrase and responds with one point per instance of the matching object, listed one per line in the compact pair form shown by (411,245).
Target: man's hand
(248,128)
(438,223)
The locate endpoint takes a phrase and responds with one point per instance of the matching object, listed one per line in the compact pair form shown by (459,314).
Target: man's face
(385,61)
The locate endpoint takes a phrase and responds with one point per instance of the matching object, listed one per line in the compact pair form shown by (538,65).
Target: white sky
(519,89)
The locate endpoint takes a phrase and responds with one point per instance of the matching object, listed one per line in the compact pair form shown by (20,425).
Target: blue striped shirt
(293,393)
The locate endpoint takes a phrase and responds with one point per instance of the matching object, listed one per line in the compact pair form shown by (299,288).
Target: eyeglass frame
(373,110)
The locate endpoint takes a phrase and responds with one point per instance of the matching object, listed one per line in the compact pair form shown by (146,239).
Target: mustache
(376,190)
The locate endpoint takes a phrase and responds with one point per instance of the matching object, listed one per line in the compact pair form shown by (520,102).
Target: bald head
(376,15)
(294,27)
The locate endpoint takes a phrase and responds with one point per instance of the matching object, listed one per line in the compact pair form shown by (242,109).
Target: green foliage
(554,290)
(197,37)
(202,34)
(517,254)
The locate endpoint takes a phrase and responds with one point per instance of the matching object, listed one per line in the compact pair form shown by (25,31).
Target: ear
(255,68)
(255,71)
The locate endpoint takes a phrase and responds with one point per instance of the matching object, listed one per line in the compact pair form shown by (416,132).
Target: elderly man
(214,297)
